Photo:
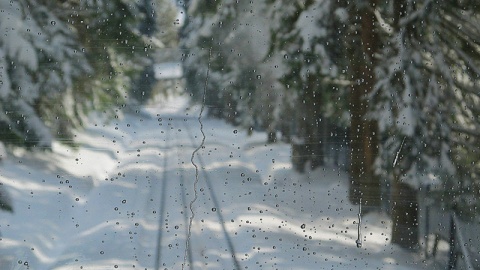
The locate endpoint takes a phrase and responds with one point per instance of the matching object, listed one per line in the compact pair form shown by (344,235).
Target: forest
(393,83)
(388,90)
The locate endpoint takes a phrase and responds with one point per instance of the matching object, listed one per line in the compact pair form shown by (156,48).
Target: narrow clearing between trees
(122,201)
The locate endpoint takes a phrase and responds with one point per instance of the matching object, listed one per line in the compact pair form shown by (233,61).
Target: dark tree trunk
(299,157)
(314,116)
(364,142)
(404,215)
(271,136)
(309,149)
(404,198)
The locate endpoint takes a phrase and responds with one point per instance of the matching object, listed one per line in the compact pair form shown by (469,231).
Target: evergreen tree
(142,86)
(160,27)
(109,34)
(61,59)
(364,43)
(217,37)
(308,34)
(425,106)
(58,61)
(196,43)
(411,68)
(40,60)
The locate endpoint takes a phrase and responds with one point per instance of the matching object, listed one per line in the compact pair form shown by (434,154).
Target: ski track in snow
(109,203)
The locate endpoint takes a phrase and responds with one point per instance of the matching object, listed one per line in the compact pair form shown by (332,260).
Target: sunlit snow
(121,201)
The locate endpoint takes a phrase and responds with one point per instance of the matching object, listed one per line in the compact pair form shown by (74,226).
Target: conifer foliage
(40,59)
(402,75)
(59,60)
(427,98)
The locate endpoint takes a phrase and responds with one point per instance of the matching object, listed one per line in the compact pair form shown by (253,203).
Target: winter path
(121,201)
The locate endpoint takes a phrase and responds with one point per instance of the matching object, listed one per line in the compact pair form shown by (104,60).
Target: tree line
(395,82)
(61,60)
(398,80)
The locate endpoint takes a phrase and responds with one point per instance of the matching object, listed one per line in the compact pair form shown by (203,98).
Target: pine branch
(461,129)
(416,15)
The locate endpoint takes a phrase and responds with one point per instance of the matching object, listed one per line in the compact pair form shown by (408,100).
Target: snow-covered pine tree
(108,31)
(199,52)
(159,24)
(59,61)
(363,44)
(307,34)
(58,58)
(40,60)
(220,37)
(427,104)
(248,87)
(142,85)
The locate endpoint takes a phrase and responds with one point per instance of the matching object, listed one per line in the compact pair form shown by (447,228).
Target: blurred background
(387,91)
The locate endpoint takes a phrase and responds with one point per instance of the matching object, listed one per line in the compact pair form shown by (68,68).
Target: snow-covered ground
(122,201)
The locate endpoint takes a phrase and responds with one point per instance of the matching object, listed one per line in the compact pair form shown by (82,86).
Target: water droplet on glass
(303,226)
(53,22)
(214,209)
(124,201)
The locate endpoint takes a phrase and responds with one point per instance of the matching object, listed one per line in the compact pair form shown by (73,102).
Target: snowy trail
(217,207)
(172,234)
(119,218)
(163,191)
(125,205)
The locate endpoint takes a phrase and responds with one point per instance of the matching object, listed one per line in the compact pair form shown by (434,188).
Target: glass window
(275,134)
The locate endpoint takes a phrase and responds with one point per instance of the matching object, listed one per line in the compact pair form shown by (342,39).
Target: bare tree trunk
(309,148)
(300,150)
(404,215)
(364,142)
(404,208)
(316,116)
